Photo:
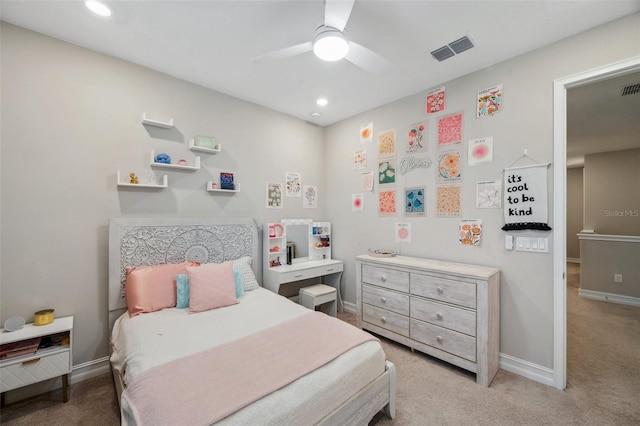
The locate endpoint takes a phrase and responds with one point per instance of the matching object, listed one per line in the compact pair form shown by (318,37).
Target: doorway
(560,88)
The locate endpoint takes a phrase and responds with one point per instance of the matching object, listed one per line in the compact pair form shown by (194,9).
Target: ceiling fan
(330,42)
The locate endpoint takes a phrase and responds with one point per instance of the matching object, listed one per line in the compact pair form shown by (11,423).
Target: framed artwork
(360,160)
(274,195)
(310,198)
(489,101)
(416,138)
(293,184)
(450,166)
(489,195)
(470,232)
(448,201)
(435,101)
(450,130)
(480,151)
(366,133)
(387,171)
(414,201)
(403,232)
(357,203)
(387,143)
(366,181)
(387,202)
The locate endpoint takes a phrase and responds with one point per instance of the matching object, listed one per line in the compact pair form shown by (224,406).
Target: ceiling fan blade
(337,12)
(367,59)
(287,52)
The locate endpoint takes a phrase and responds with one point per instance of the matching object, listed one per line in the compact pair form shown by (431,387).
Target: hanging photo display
(403,232)
(449,166)
(489,101)
(387,143)
(489,194)
(435,101)
(274,195)
(416,138)
(360,160)
(387,203)
(387,172)
(450,130)
(293,184)
(366,181)
(525,198)
(366,133)
(357,203)
(310,199)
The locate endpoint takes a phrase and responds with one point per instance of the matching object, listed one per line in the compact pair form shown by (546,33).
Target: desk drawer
(447,340)
(303,274)
(386,319)
(390,300)
(388,278)
(447,316)
(456,292)
(33,370)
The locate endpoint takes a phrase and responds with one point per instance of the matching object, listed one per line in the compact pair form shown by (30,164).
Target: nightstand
(51,358)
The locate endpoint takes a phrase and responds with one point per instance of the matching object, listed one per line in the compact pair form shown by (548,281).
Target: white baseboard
(527,369)
(573,260)
(79,373)
(610,297)
(349,307)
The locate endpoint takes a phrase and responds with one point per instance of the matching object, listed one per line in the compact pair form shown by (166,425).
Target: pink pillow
(211,286)
(151,288)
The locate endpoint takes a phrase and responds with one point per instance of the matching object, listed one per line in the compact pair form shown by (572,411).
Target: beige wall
(575,211)
(71,118)
(612,192)
(602,259)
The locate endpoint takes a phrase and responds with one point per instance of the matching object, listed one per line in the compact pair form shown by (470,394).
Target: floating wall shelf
(153,163)
(218,190)
(164,184)
(215,150)
(156,123)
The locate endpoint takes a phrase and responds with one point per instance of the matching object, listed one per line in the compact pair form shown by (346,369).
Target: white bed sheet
(148,340)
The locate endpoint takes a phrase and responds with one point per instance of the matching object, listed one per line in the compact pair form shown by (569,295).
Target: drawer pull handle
(383,278)
(383,319)
(31,361)
(330,269)
(439,316)
(383,299)
(439,339)
(298,276)
(440,290)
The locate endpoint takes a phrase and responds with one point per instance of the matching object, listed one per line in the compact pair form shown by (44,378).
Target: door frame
(560,87)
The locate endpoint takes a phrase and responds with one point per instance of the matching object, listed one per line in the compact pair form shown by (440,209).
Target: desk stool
(320,295)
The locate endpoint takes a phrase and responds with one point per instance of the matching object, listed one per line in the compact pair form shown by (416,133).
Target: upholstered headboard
(152,241)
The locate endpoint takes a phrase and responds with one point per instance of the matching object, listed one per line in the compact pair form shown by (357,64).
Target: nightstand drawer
(441,338)
(384,277)
(386,319)
(386,299)
(456,292)
(34,369)
(447,316)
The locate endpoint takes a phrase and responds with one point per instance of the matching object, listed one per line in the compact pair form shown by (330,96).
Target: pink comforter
(208,386)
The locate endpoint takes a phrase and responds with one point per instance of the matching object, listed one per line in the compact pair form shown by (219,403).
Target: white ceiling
(211,43)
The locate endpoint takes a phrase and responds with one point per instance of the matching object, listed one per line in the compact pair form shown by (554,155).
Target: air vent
(630,89)
(452,49)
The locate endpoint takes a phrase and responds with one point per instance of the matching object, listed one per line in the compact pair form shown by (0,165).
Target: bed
(259,360)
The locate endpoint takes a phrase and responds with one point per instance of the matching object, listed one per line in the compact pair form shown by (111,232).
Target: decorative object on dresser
(36,353)
(447,310)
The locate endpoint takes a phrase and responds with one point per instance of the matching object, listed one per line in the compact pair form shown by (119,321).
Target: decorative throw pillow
(237,279)
(182,291)
(243,265)
(211,286)
(151,288)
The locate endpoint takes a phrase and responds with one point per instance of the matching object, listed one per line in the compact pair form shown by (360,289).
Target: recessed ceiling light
(322,101)
(315,114)
(99,8)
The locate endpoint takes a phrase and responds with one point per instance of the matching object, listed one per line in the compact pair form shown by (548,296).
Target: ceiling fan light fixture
(99,8)
(330,45)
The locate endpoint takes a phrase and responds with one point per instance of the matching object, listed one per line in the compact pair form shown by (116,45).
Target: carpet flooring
(603,382)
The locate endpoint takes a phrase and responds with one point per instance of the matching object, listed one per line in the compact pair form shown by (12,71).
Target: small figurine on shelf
(214,185)
(163,158)
(182,162)
(133,178)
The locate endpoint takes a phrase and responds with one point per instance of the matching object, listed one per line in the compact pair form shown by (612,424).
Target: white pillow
(243,265)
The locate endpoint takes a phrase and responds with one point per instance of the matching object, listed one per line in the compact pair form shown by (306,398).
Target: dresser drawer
(446,340)
(20,373)
(456,292)
(386,319)
(390,300)
(447,316)
(383,277)
(311,272)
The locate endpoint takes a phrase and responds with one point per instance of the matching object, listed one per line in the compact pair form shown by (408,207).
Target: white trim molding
(609,297)
(527,369)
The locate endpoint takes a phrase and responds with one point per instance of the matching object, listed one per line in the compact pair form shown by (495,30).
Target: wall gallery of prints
(405,150)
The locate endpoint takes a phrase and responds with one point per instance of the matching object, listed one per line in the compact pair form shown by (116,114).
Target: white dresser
(447,310)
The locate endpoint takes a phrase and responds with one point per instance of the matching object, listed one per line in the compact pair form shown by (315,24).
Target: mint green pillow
(182,290)
(237,277)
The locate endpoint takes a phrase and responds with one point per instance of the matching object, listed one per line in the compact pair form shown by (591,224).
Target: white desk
(330,270)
